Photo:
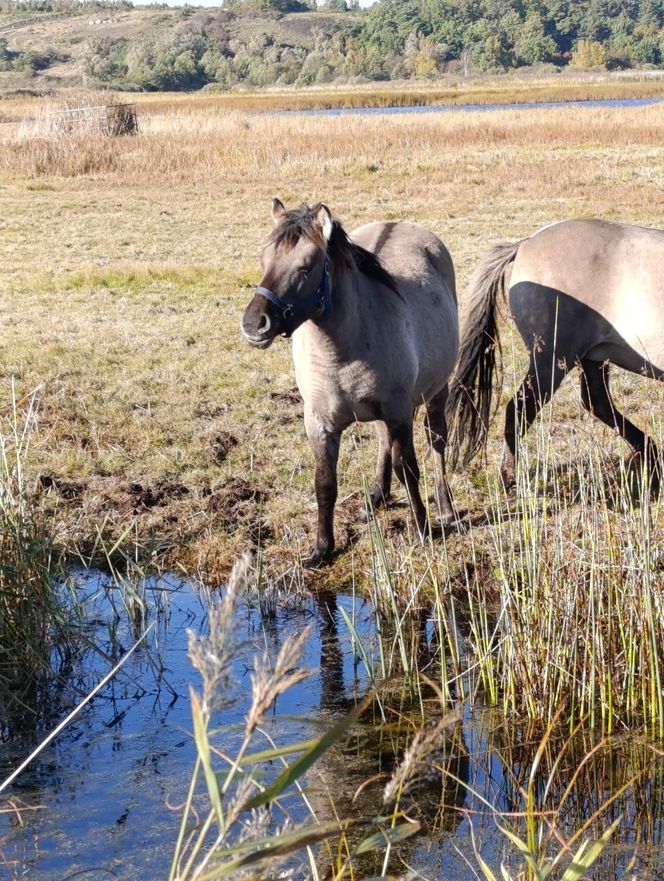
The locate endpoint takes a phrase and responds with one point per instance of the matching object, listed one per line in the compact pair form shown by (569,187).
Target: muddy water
(104,789)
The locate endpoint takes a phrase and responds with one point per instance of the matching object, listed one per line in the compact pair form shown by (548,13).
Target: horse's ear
(324,219)
(278,211)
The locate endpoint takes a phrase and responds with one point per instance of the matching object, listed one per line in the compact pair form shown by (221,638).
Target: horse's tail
(468,409)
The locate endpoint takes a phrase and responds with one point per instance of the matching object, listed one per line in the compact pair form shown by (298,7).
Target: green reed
(30,605)
(407,592)
(556,599)
(578,617)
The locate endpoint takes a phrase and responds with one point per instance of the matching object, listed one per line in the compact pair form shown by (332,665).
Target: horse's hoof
(366,514)
(453,522)
(316,560)
(376,500)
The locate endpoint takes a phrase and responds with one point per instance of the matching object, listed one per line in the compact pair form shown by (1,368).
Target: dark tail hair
(468,408)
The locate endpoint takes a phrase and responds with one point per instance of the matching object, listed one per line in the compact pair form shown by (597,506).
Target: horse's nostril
(264,323)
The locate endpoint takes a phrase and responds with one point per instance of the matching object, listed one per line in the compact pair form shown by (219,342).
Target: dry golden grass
(125,265)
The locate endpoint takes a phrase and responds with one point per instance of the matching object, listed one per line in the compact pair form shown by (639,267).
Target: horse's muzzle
(258,343)
(258,326)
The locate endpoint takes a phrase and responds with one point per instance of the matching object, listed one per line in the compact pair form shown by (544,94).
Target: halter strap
(293,314)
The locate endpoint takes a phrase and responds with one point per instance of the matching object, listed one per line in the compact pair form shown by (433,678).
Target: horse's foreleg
(436,430)
(325,447)
(407,470)
(540,384)
(596,398)
(380,491)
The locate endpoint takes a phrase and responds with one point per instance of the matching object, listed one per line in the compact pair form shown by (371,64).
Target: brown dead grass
(124,266)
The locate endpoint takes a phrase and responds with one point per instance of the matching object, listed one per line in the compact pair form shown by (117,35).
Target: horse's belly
(402,362)
(644,348)
(340,395)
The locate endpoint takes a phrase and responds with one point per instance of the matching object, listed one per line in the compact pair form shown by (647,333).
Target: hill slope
(64,44)
(252,43)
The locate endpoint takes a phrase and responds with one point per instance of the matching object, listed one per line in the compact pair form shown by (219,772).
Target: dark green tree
(389,23)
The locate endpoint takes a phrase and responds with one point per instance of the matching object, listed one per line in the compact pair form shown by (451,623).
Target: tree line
(394,39)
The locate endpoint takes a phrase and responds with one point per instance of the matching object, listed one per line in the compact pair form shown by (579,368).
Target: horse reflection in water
(350,779)
(373,317)
(584,293)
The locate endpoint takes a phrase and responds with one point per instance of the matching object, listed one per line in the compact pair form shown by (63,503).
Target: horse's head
(295,284)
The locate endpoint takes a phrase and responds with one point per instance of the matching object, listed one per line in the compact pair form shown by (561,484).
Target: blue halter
(316,305)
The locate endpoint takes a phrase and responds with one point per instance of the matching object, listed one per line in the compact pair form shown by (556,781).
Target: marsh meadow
(157,436)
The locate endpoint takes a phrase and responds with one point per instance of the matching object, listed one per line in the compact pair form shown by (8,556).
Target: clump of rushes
(534,835)
(246,829)
(579,618)
(554,599)
(30,606)
(416,611)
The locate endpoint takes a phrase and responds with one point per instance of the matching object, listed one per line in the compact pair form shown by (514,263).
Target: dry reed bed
(518,87)
(448,91)
(224,145)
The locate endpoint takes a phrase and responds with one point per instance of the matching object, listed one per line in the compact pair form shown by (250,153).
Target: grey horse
(373,317)
(584,293)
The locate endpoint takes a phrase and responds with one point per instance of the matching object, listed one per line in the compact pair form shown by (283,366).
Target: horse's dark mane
(300,222)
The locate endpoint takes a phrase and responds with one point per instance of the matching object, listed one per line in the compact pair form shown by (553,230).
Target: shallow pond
(480,108)
(107,790)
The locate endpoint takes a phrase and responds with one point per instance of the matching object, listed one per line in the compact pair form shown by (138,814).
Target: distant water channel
(481,108)
(105,789)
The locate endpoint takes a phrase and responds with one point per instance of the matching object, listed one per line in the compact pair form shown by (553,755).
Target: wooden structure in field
(108,119)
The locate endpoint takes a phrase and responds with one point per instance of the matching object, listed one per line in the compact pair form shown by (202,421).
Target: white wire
(74,712)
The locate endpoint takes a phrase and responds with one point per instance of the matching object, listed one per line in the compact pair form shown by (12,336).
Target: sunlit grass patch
(131,323)
(139,279)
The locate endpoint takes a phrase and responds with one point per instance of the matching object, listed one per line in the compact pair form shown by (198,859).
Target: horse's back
(409,252)
(599,283)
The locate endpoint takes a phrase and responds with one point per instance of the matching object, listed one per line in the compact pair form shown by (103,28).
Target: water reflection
(480,108)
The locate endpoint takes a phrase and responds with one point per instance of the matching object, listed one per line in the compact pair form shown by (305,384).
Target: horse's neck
(340,327)
(321,348)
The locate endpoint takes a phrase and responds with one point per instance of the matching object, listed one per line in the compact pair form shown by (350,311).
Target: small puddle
(104,787)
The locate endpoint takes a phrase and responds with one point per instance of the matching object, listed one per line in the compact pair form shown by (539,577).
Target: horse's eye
(304,272)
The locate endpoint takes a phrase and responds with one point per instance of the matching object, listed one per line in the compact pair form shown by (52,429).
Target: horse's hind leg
(596,398)
(436,429)
(545,373)
(406,468)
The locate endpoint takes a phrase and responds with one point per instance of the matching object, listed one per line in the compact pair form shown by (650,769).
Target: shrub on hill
(392,39)
(28,60)
(31,7)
